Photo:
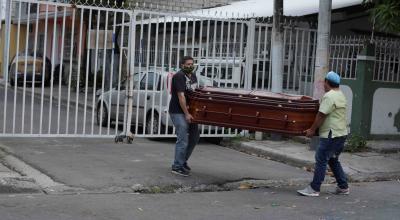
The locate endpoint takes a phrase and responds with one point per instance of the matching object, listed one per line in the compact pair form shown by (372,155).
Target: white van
(225,72)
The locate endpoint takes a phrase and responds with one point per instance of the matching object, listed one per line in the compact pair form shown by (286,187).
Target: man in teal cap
(332,125)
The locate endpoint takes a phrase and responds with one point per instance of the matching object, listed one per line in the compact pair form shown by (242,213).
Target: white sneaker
(308,191)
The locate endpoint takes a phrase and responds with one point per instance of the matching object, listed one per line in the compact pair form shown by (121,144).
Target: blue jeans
(328,152)
(187,137)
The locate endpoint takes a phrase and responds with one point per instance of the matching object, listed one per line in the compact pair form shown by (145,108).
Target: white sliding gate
(77,70)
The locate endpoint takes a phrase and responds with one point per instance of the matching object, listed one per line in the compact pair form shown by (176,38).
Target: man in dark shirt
(187,133)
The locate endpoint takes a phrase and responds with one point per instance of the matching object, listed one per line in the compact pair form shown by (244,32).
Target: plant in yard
(355,143)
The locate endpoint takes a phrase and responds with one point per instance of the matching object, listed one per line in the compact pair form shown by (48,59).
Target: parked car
(150,87)
(31,66)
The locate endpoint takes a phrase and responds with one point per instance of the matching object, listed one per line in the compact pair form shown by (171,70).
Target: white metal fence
(300,46)
(387,60)
(344,51)
(91,71)
(343,55)
(51,41)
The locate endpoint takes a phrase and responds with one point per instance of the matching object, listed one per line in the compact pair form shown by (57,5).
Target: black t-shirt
(180,83)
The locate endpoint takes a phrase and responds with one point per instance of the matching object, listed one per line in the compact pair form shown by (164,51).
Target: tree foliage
(385,14)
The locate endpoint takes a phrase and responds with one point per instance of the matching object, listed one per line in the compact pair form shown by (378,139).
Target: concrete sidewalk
(363,166)
(66,165)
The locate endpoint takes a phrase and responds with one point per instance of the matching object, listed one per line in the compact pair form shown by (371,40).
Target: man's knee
(183,137)
(333,160)
(321,157)
(182,128)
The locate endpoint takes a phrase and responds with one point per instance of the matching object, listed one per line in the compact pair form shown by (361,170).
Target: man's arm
(183,104)
(319,119)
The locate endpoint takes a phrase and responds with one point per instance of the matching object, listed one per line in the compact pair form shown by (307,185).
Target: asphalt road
(367,201)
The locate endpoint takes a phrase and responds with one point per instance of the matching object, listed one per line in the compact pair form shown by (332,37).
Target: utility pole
(6,39)
(322,55)
(277,47)
(276,56)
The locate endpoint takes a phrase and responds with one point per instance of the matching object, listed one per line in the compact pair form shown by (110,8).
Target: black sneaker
(186,167)
(181,172)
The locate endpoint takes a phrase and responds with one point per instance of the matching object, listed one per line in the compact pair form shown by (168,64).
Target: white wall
(349,96)
(386,104)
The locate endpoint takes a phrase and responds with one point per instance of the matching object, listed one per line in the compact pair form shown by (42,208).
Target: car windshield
(145,79)
(148,80)
(135,80)
(209,72)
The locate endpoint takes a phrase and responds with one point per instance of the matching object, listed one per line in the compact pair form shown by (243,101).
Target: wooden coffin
(253,110)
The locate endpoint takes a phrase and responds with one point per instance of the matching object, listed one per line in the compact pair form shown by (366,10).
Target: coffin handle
(204,110)
(286,121)
(258,117)
(230,113)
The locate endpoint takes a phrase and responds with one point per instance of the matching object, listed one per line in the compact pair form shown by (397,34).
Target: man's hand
(319,119)
(189,118)
(309,132)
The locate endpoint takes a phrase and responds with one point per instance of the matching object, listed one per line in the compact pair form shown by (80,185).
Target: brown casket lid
(256,93)
(280,96)
(252,110)
(232,91)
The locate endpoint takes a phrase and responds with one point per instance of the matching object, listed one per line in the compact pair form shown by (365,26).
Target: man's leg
(334,164)
(181,126)
(194,137)
(322,156)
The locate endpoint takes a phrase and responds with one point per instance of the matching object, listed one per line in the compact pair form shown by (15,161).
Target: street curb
(284,158)
(14,182)
(46,97)
(391,150)
(33,180)
(245,148)
(384,151)
(212,187)
(374,177)
(11,185)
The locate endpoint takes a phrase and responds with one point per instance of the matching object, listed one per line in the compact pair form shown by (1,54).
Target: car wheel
(11,77)
(47,73)
(47,79)
(56,75)
(65,78)
(12,82)
(155,120)
(102,115)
